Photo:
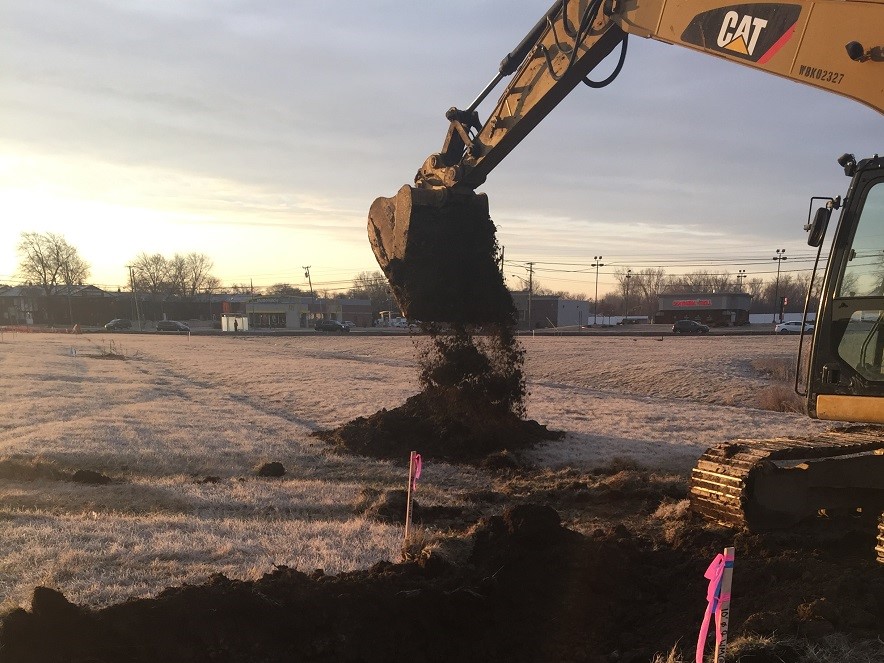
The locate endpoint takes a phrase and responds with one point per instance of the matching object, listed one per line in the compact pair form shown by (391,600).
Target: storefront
(718,309)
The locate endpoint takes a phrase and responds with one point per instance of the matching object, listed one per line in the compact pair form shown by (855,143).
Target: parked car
(349,324)
(331,326)
(793,327)
(172,325)
(689,327)
(118,323)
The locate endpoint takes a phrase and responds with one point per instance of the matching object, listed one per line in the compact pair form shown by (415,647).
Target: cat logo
(752,32)
(740,33)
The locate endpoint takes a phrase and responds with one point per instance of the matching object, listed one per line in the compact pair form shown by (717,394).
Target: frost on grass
(179,410)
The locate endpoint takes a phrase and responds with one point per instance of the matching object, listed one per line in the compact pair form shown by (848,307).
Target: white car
(793,327)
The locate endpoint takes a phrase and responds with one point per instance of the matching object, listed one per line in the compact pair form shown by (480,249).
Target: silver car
(793,327)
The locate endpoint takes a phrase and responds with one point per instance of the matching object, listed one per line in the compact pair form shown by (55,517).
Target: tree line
(638,289)
(47,260)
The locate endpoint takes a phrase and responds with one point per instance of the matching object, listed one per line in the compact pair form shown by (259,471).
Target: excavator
(436,243)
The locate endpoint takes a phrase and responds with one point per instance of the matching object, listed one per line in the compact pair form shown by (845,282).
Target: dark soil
(440,425)
(471,405)
(29,469)
(527,589)
(439,253)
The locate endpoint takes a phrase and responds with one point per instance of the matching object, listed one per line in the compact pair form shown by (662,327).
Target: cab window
(860,293)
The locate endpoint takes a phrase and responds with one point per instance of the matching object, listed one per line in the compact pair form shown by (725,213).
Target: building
(83,304)
(295,312)
(21,305)
(718,309)
(549,311)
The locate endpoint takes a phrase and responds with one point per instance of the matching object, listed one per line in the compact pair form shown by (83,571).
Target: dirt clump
(271,469)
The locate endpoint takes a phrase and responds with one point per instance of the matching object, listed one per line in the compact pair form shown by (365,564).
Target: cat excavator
(436,243)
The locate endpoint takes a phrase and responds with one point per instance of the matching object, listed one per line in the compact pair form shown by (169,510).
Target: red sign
(691,302)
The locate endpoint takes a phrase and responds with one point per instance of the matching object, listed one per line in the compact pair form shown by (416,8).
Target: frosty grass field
(181,423)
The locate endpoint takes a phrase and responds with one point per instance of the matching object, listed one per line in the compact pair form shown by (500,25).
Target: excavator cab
(846,376)
(767,484)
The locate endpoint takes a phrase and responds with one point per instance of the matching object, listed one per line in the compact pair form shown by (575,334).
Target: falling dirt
(440,254)
(471,404)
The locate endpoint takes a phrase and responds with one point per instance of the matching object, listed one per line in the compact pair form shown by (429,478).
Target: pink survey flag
(416,466)
(718,599)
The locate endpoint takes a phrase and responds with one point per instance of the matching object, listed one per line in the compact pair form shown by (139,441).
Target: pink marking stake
(718,597)
(415,465)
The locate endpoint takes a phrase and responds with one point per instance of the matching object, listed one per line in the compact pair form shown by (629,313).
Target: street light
(779,257)
(626,301)
(527,285)
(596,264)
(134,295)
(740,276)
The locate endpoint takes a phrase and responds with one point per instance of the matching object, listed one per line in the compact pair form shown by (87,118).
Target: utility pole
(626,301)
(134,295)
(530,291)
(309,282)
(740,276)
(779,257)
(596,264)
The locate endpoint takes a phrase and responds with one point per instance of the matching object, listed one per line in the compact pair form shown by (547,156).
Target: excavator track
(880,547)
(775,483)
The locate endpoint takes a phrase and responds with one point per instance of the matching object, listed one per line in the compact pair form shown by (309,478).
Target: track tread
(719,479)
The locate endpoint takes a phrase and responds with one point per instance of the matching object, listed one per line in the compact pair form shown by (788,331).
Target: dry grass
(181,409)
(836,648)
(776,368)
(779,396)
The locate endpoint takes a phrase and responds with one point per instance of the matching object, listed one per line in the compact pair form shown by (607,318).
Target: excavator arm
(833,45)
(435,240)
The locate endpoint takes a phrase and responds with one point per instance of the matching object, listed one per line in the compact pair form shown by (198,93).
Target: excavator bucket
(439,253)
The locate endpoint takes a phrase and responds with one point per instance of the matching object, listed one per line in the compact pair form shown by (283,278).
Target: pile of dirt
(529,590)
(471,404)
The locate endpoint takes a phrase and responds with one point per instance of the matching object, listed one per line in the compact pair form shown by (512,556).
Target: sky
(259,132)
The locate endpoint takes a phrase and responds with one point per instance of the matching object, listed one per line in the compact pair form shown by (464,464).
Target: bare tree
(755,287)
(197,272)
(235,288)
(702,281)
(648,283)
(372,286)
(285,290)
(47,260)
(177,276)
(151,273)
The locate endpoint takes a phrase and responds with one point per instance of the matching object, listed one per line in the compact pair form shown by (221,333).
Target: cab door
(846,378)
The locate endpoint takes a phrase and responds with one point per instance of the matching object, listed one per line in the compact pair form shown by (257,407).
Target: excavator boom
(831,44)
